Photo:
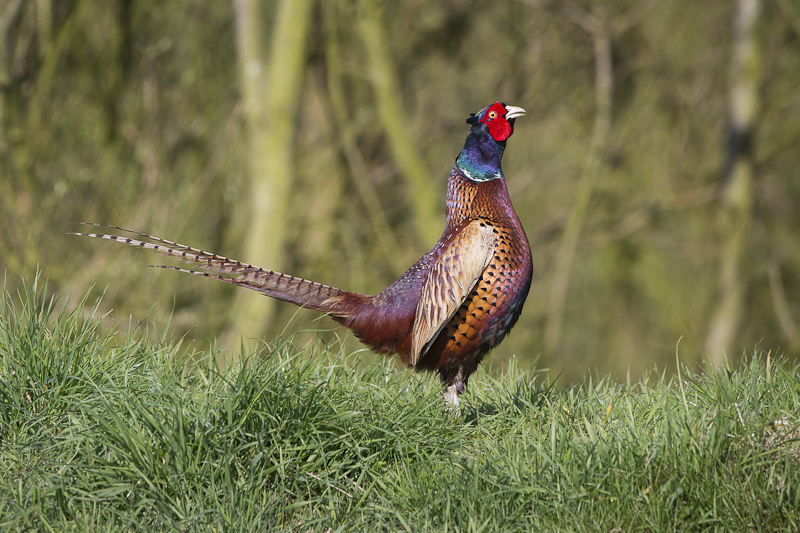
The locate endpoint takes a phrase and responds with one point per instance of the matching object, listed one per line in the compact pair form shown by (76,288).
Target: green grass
(126,432)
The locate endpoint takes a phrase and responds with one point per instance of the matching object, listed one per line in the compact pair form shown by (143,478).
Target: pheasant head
(480,158)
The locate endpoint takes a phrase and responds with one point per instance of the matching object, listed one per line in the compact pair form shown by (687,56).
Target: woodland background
(657,172)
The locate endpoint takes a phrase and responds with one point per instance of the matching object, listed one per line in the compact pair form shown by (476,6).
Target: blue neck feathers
(480,158)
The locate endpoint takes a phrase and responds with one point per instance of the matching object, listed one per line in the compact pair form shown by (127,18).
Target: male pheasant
(453,305)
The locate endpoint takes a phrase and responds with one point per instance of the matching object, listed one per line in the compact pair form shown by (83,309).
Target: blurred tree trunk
(44,24)
(596,24)
(271,95)
(602,31)
(735,216)
(8,15)
(428,211)
(390,250)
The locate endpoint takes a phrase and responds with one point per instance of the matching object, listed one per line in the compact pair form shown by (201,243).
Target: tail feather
(292,289)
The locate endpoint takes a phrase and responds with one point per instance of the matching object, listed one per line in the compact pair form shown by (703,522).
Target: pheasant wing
(450,279)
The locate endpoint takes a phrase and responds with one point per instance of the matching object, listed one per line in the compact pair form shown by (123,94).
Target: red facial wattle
(495,120)
(500,129)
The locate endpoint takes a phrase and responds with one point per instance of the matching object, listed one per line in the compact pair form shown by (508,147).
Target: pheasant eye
(492,114)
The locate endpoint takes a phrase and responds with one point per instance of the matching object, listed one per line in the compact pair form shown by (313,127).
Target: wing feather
(449,281)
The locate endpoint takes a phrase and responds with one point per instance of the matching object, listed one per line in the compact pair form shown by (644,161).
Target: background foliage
(136,113)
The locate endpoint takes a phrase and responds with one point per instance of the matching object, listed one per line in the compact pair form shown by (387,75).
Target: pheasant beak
(514,112)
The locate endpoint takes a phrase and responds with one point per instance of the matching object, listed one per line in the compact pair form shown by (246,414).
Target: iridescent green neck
(480,158)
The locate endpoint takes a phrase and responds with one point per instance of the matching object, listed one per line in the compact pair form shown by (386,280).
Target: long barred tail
(298,291)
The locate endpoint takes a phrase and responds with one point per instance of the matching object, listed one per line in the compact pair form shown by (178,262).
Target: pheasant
(453,305)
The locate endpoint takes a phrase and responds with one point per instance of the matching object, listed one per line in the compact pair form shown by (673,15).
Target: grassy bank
(102,432)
